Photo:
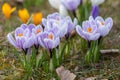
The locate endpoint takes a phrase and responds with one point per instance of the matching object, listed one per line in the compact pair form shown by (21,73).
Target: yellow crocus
(24,15)
(37,18)
(7,10)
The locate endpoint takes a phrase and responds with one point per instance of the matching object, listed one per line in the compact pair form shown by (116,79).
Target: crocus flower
(70,25)
(48,40)
(95,11)
(37,18)
(71,4)
(7,10)
(104,26)
(24,15)
(37,32)
(59,6)
(23,39)
(89,30)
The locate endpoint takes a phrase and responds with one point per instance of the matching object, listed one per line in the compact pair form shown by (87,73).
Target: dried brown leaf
(65,74)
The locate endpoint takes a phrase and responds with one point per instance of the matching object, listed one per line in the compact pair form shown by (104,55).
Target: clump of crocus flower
(93,30)
(63,25)
(37,18)
(24,15)
(7,10)
(36,31)
(56,27)
(30,35)
(60,27)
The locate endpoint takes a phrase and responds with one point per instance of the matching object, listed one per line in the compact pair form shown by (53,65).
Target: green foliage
(29,3)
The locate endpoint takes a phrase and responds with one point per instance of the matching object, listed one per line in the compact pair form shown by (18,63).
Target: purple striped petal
(110,21)
(12,40)
(80,31)
(24,26)
(29,42)
(49,44)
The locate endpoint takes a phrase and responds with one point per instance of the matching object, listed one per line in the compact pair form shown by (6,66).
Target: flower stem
(74,13)
(89,44)
(50,50)
(99,40)
(25,51)
(37,47)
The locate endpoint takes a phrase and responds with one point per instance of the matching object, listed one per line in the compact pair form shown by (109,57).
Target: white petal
(55,3)
(63,11)
(11,40)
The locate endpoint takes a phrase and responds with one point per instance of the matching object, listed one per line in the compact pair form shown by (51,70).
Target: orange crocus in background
(24,15)
(7,10)
(37,18)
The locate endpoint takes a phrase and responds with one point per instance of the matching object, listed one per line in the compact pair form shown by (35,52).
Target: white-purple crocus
(89,30)
(37,32)
(95,28)
(70,25)
(23,39)
(104,26)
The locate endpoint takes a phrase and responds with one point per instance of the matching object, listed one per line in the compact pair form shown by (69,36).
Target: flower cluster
(92,29)
(55,27)
(59,25)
